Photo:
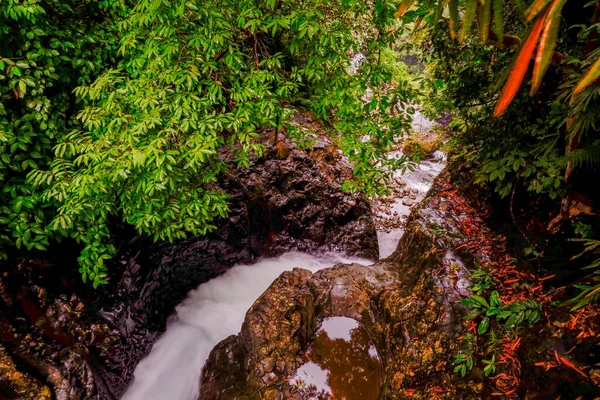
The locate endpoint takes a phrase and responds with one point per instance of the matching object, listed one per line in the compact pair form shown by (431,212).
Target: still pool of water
(343,363)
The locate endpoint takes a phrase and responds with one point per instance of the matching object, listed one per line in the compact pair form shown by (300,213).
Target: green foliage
(589,293)
(588,156)
(494,319)
(465,359)
(526,146)
(482,281)
(47,48)
(301,135)
(123,110)
(441,232)
(583,230)
(490,366)
(512,316)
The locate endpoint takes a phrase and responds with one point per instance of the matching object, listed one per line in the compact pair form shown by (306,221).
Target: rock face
(62,338)
(290,199)
(410,305)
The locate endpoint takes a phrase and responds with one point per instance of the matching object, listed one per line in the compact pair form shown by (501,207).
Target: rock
(17,385)
(422,144)
(85,343)
(413,334)
(410,305)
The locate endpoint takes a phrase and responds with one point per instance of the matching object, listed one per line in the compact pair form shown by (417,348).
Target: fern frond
(589,294)
(589,246)
(588,156)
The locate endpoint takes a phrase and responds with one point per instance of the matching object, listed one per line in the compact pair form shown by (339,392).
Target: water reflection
(343,364)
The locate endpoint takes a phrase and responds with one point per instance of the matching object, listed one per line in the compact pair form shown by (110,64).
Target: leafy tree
(172,85)
(541,152)
(546,140)
(47,48)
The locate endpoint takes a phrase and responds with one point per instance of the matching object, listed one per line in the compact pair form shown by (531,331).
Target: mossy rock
(422,144)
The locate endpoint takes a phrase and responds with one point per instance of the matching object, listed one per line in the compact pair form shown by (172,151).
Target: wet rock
(49,336)
(423,144)
(410,305)
(85,343)
(18,385)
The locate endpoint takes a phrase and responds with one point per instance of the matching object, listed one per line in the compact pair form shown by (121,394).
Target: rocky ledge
(61,339)
(410,305)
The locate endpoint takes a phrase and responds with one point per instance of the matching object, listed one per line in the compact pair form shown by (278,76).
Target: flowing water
(216,310)
(418,183)
(211,312)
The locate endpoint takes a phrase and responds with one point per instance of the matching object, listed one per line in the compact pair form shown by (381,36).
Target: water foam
(211,312)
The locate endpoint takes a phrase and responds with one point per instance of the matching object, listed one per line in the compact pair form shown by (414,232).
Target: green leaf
(22,87)
(499,20)
(469,17)
(495,300)
(484,19)
(546,47)
(493,311)
(480,300)
(590,77)
(453,12)
(483,326)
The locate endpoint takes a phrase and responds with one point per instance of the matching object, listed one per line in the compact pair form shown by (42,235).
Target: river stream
(216,309)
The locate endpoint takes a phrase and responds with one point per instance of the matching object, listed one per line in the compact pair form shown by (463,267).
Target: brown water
(343,363)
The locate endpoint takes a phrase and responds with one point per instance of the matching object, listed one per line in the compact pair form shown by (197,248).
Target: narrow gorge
(299,200)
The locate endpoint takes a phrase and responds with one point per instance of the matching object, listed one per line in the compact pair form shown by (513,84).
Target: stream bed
(216,310)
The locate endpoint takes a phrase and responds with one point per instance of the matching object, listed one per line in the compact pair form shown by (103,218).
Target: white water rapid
(211,312)
(418,182)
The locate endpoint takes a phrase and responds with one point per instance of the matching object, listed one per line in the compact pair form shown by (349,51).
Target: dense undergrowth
(539,160)
(535,166)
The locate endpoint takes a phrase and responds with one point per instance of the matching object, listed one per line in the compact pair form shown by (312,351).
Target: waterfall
(216,309)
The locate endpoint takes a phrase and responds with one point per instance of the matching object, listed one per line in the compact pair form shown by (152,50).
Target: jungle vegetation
(119,109)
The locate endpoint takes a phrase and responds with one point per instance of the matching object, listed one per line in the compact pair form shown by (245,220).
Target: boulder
(410,305)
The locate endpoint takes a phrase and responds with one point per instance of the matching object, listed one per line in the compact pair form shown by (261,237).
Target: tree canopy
(120,109)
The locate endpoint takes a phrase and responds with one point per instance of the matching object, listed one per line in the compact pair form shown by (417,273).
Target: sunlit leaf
(535,9)
(404,6)
(498,20)
(547,45)
(520,68)
(453,11)
(469,17)
(418,22)
(555,8)
(438,11)
(590,77)
(484,19)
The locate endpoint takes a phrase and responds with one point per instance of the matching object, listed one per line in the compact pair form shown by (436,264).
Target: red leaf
(520,68)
